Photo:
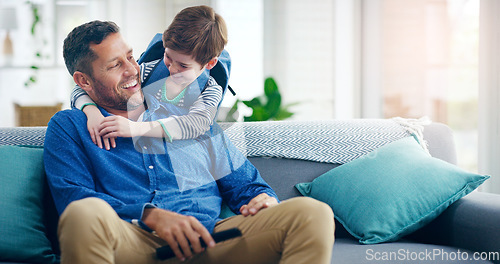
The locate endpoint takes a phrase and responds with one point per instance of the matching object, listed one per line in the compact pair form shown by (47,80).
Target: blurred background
(331,59)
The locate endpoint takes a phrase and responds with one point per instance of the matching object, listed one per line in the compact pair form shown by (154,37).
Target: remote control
(166,252)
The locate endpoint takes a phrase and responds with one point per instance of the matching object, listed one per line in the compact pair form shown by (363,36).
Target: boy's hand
(258,203)
(118,126)
(94,119)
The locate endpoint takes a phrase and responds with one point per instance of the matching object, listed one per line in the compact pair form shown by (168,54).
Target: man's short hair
(197,31)
(77,53)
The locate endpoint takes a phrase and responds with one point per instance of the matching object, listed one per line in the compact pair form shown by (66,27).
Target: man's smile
(130,84)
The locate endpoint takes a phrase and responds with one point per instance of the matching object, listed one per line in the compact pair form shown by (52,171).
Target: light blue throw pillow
(391,191)
(22,229)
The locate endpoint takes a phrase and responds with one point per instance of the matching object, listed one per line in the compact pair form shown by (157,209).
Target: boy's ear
(82,80)
(212,63)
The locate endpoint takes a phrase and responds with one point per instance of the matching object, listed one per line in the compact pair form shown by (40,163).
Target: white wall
(299,54)
(245,23)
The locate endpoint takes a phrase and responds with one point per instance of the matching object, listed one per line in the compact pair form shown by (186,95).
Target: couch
(465,226)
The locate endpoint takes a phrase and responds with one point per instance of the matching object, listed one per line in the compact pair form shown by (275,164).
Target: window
(428,63)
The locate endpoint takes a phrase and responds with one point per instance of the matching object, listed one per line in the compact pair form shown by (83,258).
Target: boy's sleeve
(79,98)
(200,117)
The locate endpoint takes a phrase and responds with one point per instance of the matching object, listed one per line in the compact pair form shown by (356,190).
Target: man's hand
(94,120)
(258,203)
(179,231)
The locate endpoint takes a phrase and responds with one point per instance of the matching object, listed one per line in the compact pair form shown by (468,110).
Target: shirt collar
(152,105)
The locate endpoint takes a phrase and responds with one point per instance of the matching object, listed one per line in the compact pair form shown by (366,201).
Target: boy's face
(183,68)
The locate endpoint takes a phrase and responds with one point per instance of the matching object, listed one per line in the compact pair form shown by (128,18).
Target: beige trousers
(299,230)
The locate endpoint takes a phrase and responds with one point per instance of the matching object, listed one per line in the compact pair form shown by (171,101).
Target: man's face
(183,68)
(116,75)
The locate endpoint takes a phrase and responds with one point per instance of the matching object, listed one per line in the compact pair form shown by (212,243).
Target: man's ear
(82,80)
(211,63)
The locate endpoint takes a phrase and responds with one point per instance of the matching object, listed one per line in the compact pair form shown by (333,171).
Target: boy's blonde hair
(197,31)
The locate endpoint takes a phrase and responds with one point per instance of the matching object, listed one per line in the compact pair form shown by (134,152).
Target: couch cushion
(22,189)
(392,191)
(282,174)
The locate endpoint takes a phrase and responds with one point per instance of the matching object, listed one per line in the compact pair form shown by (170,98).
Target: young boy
(192,42)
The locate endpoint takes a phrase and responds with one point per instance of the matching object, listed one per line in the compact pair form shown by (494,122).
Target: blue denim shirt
(190,177)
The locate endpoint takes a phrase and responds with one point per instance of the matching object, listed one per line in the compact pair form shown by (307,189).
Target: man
(118,206)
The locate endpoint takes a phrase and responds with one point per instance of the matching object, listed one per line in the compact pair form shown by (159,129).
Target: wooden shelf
(35,115)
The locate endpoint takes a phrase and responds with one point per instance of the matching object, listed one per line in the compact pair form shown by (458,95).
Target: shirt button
(151,166)
(145,147)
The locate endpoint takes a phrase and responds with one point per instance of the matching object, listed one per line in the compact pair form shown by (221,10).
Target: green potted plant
(265,107)
(38,54)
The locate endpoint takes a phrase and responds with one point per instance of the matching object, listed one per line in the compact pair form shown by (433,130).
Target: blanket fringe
(416,128)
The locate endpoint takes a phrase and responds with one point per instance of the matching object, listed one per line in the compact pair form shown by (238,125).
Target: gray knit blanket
(331,141)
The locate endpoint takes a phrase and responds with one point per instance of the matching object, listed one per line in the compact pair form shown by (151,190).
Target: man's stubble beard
(119,101)
(135,101)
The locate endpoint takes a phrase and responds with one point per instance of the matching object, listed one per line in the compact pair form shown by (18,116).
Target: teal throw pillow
(391,191)
(22,229)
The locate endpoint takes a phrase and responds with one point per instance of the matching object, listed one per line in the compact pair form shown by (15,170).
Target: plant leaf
(283,114)
(273,104)
(270,87)
(253,103)
(273,95)
(258,114)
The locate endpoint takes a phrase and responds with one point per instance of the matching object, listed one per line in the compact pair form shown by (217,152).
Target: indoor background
(331,59)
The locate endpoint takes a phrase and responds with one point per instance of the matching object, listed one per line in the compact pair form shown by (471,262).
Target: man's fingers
(254,209)
(205,235)
(193,230)
(256,203)
(259,202)
(184,244)
(244,210)
(258,206)
(175,247)
(257,199)
(182,233)
(194,244)
(247,210)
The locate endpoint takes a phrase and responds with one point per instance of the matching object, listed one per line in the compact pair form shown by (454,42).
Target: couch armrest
(469,223)
(440,142)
